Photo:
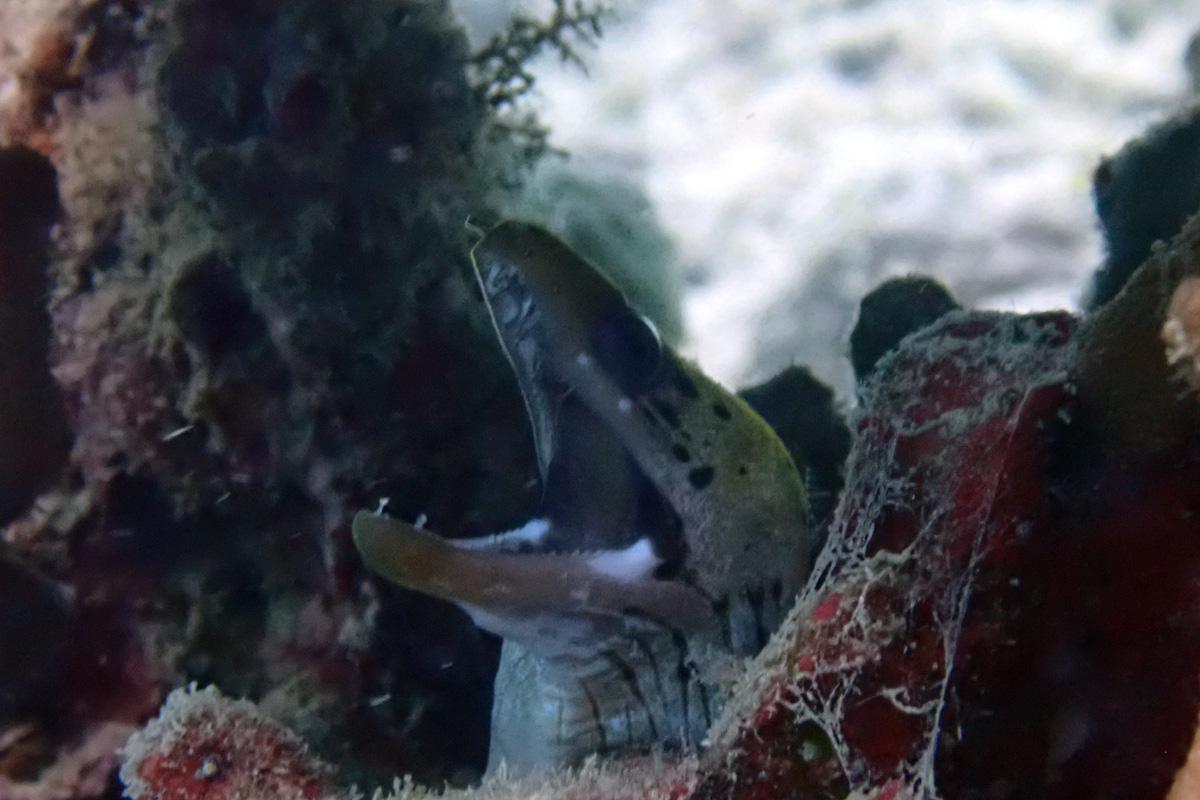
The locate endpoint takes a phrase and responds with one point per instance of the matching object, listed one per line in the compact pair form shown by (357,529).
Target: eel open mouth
(667,501)
(545,600)
(673,527)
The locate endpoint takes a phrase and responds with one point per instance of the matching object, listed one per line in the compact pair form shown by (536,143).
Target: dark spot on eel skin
(685,386)
(743,471)
(667,413)
(721,411)
(701,477)
(681,454)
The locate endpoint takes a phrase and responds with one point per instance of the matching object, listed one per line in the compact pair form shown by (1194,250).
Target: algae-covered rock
(261,316)
(891,311)
(1143,195)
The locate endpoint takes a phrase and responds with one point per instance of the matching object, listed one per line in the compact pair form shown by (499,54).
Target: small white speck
(209,768)
(378,701)
(583,359)
(419,524)
(400,154)
(625,405)
(175,434)
(383,502)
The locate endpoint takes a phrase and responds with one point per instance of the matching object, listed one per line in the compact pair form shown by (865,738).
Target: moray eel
(673,534)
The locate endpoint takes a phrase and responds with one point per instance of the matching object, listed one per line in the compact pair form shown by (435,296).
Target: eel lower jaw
(547,601)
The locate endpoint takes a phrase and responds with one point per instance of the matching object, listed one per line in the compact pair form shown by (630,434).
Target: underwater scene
(599,399)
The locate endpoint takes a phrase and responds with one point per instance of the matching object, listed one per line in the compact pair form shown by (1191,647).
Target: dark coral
(33,433)
(804,412)
(1143,195)
(36,623)
(891,311)
(36,618)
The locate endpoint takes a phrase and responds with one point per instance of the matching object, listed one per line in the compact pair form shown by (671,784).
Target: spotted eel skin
(673,534)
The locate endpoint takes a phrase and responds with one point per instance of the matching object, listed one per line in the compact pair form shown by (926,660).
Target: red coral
(1008,605)
(204,746)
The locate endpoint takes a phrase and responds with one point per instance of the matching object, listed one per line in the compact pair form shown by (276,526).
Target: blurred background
(797,153)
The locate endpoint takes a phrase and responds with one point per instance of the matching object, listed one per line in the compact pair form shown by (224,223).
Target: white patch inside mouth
(635,562)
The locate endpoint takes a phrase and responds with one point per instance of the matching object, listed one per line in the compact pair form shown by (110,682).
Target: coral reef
(1004,607)
(1006,604)
(255,313)
(237,305)
(204,745)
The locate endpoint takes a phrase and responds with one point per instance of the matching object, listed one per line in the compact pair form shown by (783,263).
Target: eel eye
(627,347)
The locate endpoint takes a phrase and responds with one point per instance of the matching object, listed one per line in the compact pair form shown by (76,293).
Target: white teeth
(531,533)
(635,562)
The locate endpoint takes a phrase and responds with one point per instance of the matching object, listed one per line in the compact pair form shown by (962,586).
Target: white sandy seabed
(800,151)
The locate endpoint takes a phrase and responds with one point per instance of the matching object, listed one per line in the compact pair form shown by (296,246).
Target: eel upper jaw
(554,603)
